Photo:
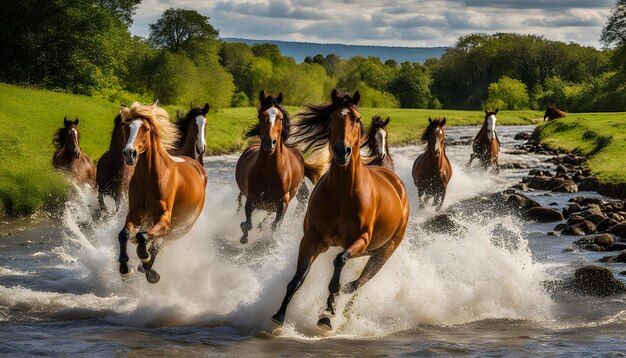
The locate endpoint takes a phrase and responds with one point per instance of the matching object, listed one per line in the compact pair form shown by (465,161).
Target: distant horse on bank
(432,170)
(166,193)
(272,173)
(486,145)
(553,113)
(363,209)
(69,158)
(192,128)
(376,143)
(113,176)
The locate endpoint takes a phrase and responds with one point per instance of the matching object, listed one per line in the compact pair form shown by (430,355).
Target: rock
(619,230)
(568,186)
(522,136)
(604,240)
(576,199)
(587,227)
(596,219)
(596,243)
(597,281)
(554,233)
(593,247)
(572,208)
(617,246)
(589,201)
(573,231)
(561,169)
(605,224)
(543,215)
(617,217)
(560,227)
(623,273)
(520,186)
(607,259)
(521,201)
(593,210)
(554,203)
(589,184)
(575,219)
(621,257)
(442,223)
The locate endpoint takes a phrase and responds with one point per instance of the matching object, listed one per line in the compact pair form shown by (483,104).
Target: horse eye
(358,120)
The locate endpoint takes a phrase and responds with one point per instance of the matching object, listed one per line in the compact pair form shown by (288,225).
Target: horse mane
(254,130)
(182,123)
(165,131)
(371,149)
(58,139)
(437,122)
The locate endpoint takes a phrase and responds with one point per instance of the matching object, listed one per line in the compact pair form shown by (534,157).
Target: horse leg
(147,257)
(281,207)
(123,237)
(239,202)
(103,206)
(420,197)
(472,156)
(302,195)
(310,248)
(441,195)
(246,226)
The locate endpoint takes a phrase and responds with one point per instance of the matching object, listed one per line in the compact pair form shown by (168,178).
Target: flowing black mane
(313,126)
(182,123)
(270,100)
(370,145)
(437,122)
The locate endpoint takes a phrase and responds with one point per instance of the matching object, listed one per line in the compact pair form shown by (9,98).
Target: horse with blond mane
(363,209)
(166,193)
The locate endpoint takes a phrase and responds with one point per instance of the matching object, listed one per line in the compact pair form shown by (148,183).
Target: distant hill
(299,50)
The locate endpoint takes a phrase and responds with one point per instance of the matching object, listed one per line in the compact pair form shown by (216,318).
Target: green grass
(29,117)
(601,137)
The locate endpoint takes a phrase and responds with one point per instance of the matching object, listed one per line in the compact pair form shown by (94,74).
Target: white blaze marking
(134,129)
(491,127)
(437,145)
(345,111)
(381,138)
(272,112)
(201,142)
(74,133)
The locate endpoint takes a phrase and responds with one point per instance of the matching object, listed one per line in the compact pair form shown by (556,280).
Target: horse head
(345,126)
(490,122)
(271,115)
(72,137)
(435,135)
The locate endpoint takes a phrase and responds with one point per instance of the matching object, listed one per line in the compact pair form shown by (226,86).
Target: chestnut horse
(192,127)
(68,156)
(269,175)
(432,170)
(553,113)
(486,145)
(113,175)
(376,144)
(165,192)
(363,209)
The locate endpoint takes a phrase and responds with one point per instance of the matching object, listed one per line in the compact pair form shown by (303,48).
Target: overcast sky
(390,23)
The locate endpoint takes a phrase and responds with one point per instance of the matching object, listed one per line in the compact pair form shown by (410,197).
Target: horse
(376,143)
(192,143)
(432,170)
(269,175)
(363,209)
(69,158)
(553,113)
(112,175)
(486,145)
(166,193)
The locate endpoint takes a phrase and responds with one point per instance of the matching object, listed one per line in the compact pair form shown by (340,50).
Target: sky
(390,23)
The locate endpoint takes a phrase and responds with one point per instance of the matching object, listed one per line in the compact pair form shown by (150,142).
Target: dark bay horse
(363,209)
(432,170)
(192,128)
(376,144)
(270,174)
(165,192)
(113,176)
(68,156)
(553,113)
(486,145)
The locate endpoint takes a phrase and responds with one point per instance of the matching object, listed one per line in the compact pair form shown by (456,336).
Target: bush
(374,98)
(507,93)
(240,99)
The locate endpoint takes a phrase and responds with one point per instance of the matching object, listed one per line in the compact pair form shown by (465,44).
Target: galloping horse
(192,126)
(68,156)
(376,143)
(165,192)
(486,145)
(271,174)
(113,176)
(432,170)
(553,113)
(363,209)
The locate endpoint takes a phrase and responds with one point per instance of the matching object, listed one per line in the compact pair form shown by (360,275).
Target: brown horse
(68,156)
(192,126)
(269,175)
(486,145)
(376,144)
(165,192)
(113,176)
(363,209)
(432,170)
(553,113)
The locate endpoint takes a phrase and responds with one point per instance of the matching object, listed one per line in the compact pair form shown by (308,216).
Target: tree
(122,9)
(507,93)
(614,32)
(176,27)
(411,86)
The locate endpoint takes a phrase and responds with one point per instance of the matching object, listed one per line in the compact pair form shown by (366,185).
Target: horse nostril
(335,147)
(348,151)
(274,142)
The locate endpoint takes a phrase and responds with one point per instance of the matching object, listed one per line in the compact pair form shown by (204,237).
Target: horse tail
(317,163)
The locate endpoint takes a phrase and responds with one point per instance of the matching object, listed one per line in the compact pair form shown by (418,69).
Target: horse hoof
(127,274)
(140,268)
(244,240)
(324,324)
(152,276)
(279,319)
(349,287)
(142,253)
(125,269)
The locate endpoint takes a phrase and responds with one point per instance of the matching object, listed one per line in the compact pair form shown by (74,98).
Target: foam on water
(208,278)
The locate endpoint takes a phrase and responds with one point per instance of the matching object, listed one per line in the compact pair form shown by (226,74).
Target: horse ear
(356,97)
(430,120)
(386,122)
(205,109)
(443,123)
(279,99)
(486,111)
(65,121)
(496,112)
(75,121)
(334,94)
(262,96)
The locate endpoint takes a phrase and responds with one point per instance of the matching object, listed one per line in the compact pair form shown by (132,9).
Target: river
(479,292)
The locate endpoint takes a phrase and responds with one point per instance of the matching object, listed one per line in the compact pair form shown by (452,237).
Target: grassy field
(601,137)
(29,118)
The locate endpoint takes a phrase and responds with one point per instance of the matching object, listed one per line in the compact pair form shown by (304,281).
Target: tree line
(85,47)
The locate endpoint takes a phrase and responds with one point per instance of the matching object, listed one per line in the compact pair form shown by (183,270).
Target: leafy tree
(411,86)
(614,32)
(507,93)
(176,27)
(122,9)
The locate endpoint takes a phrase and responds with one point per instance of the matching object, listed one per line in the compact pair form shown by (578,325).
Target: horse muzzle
(342,154)
(130,156)
(269,145)
(76,154)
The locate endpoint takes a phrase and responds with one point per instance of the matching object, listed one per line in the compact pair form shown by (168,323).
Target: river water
(478,292)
